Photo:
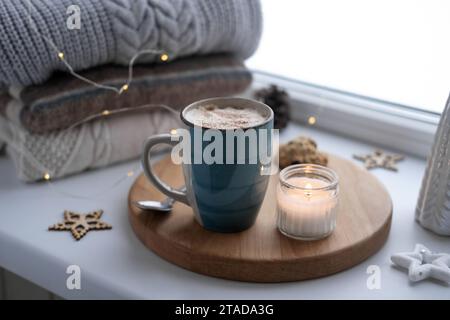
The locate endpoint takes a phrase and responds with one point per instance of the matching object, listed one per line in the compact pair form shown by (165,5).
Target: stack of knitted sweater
(53,122)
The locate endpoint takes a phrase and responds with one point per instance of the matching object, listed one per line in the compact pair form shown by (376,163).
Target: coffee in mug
(227,193)
(224,118)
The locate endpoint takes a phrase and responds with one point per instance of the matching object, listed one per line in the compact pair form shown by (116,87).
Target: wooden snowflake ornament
(80,224)
(379,159)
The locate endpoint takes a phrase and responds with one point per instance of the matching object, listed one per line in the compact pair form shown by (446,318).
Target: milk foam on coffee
(224,118)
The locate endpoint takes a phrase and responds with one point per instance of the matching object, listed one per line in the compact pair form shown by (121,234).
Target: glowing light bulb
(164,57)
(312,120)
(173,132)
(61,55)
(106,112)
(125,87)
(47,176)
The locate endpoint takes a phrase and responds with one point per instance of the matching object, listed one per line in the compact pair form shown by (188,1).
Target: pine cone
(278,100)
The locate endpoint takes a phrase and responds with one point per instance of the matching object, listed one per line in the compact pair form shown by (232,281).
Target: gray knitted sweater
(113,31)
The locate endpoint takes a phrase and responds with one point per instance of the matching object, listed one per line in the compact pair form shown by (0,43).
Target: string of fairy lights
(64,58)
(47,174)
(163,56)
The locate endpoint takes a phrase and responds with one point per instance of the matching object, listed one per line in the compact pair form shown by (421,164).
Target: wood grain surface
(262,253)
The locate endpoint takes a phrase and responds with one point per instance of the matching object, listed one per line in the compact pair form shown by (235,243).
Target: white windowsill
(407,130)
(115,264)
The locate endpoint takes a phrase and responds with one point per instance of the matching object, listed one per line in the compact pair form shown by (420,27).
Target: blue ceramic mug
(226,195)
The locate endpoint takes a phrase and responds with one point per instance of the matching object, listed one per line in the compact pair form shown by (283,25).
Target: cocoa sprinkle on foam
(224,118)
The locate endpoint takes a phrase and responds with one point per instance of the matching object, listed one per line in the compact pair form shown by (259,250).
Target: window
(396,51)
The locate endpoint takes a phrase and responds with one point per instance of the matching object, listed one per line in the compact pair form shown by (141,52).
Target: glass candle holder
(307,198)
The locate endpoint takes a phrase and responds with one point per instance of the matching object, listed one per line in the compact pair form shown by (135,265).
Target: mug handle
(175,194)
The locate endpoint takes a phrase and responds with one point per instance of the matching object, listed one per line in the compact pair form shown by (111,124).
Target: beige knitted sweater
(93,144)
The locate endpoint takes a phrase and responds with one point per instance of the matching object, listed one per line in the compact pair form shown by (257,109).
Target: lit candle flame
(308,192)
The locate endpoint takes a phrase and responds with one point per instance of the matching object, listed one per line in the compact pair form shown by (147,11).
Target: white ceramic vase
(433,207)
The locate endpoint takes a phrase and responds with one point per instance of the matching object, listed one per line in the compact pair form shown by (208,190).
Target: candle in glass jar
(307,203)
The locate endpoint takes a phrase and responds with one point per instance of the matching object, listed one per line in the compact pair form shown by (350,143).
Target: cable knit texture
(94,144)
(113,31)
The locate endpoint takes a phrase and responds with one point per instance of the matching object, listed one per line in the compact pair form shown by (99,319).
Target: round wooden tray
(262,253)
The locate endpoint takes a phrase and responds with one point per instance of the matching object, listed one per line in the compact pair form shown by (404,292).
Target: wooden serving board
(262,253)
